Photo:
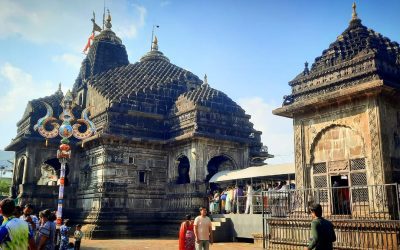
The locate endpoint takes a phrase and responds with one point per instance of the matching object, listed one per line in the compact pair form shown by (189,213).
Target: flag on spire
(89,43)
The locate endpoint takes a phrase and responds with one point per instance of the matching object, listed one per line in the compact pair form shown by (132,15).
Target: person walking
(322,233)
(186,234)
(203,230)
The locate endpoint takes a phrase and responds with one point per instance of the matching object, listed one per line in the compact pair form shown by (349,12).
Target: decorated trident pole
(66,130)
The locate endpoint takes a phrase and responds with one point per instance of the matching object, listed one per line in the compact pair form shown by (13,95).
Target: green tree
(5,186)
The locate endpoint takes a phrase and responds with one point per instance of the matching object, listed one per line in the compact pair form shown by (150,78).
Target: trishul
(66,130)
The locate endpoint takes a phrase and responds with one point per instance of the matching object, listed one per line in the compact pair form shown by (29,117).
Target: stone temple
(162,133)
(346,111)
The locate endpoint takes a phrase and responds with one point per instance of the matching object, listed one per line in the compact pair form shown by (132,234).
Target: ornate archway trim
(318,136)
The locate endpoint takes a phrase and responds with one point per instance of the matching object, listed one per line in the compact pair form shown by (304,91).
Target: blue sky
(248,49)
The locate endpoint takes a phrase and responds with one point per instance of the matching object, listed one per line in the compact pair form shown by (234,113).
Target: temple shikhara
(346,121)
(162,133)
(346,111)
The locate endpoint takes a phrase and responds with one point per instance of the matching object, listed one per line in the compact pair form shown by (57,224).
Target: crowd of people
(239,199)
(21,229)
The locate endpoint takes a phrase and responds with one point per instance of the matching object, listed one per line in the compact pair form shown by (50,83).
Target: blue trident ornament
(66,130)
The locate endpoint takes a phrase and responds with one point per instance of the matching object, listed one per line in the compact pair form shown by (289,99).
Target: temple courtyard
(154,244)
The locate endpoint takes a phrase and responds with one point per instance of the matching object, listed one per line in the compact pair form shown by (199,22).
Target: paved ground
(155,244)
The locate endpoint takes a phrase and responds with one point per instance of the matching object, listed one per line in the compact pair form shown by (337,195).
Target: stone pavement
(155,244)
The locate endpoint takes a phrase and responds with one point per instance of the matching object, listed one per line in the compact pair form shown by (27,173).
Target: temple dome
(136,86)
(357,40)
(206,96)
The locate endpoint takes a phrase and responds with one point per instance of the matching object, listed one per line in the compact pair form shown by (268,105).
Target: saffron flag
(90,39)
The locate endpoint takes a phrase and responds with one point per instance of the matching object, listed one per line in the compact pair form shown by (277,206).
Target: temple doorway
(340,194)
(218,163)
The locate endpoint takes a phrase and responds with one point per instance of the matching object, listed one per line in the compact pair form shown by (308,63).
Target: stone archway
(219,163)
(338,162)
(50,172)
(183,170)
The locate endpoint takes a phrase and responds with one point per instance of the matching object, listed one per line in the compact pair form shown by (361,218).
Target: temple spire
(354,14)
(205,81)
(108,21)
(59,91)
(306,70)
(154,45)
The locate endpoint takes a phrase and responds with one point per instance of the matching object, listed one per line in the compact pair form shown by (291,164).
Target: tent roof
(254,172)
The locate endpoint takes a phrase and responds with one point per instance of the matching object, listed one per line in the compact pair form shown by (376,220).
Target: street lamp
(66,130)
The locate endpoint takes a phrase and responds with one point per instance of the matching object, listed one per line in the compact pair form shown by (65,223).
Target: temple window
(142,177)
(183,170)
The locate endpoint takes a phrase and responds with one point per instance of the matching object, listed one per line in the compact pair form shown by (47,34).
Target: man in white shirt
(249,198)
(203,230)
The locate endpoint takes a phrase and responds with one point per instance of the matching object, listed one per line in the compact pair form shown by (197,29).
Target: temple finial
(354,14)
(59,86)
(95,26)
(306,70)
(154,45)
(205,81)
(108,23)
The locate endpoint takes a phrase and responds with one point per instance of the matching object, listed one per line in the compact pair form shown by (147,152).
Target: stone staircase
(222,229)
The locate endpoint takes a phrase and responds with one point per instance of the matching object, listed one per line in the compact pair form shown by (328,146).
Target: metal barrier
(239,205)
(358,202)
(364,217)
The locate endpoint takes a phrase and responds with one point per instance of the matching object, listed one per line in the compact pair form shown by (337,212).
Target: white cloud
(61,22)
(129,28)
(21,88)
(71,60)
(277,132)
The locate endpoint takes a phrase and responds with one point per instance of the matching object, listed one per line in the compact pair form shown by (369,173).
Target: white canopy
(254,172)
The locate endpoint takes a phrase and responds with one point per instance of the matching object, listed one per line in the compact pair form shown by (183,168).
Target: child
(78,237)
(64,235)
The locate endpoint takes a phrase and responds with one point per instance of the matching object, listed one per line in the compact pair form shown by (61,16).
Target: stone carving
(338,166)
(375,143)
(376,160)
(48,175)
(298,156)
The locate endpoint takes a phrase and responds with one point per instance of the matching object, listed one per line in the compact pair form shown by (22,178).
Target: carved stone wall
(336,133)
(389,111)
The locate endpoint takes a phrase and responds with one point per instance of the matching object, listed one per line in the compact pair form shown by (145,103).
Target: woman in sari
(186,235)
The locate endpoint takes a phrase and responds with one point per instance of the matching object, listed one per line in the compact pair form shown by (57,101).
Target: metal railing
(358,202)
(240,205)
(364,217)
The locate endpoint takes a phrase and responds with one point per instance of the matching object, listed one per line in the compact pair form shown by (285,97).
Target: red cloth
(91,37)
(185,226)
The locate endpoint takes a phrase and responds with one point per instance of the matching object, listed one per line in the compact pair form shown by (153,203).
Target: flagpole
(152,35)
(104,12)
